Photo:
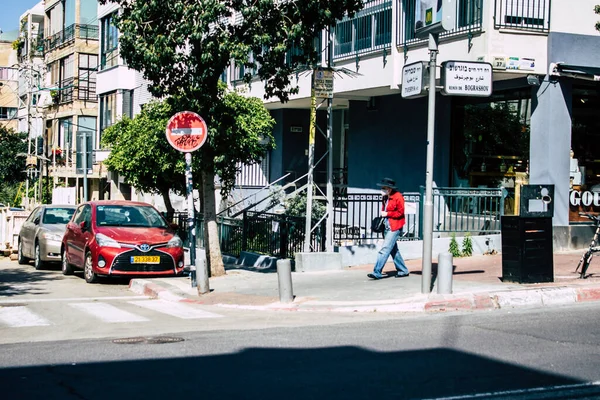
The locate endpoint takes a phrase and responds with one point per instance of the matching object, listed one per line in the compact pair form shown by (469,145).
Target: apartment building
(71,47)
(545,88)
(9,99)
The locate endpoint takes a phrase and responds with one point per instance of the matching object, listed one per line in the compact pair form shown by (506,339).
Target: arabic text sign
(462,78)
(413,77)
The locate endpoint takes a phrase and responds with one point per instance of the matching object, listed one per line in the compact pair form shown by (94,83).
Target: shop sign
(462,78)
(520,63)
(585,199)
(413,76)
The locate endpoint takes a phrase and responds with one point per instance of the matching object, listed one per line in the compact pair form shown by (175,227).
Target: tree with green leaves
(141,154)
(182,48)
(12,167)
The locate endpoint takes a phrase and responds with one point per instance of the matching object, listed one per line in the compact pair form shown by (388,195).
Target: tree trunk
(165,194)
(211,232)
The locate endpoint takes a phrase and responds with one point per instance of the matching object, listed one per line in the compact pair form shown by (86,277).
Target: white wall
(574,16)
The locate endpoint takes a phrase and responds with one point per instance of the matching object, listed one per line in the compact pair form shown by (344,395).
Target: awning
(575,71)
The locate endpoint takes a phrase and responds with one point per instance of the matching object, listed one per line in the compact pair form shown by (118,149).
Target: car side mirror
(83,225)
(174,226)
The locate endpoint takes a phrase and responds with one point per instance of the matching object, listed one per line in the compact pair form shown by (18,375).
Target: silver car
(41,234)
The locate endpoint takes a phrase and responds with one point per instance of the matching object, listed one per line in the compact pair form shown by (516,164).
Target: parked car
(41,235)
(120,238)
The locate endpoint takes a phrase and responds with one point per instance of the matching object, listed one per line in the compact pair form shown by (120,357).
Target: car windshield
(127,215)
(57,215)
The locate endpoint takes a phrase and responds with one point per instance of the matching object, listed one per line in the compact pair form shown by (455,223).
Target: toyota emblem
(145,247)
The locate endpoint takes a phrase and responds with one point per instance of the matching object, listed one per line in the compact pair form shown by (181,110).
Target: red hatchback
(120,238)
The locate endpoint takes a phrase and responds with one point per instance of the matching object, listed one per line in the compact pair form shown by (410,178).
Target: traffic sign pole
(190,217)
(187,132)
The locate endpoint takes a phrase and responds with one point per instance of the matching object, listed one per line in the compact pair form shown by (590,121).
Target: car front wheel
(67,269)
(37,261)
(20,257)
(88,270)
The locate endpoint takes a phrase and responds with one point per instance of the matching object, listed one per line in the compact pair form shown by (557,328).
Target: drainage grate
(149,340)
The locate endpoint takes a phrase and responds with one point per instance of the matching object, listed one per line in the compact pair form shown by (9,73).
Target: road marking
(175,309)
(108,313)
(25,300)
(523,392)
(16,317)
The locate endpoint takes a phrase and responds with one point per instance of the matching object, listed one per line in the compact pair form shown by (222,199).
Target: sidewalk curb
(509,299)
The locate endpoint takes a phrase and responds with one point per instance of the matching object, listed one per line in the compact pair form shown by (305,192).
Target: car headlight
(105,241)
(175,242)
(52,236)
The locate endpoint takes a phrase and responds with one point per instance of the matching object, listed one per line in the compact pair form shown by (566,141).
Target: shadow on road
(25,280)
(273,373)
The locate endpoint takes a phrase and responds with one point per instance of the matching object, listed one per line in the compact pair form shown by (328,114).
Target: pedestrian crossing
(122,312)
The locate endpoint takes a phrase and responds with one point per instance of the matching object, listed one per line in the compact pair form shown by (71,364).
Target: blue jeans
(390,248)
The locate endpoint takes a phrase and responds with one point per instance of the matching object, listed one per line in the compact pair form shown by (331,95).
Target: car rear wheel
(88,270)
(37,261)
(21,259)
(67,269)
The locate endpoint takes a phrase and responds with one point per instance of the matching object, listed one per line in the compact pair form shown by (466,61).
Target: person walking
(393,211)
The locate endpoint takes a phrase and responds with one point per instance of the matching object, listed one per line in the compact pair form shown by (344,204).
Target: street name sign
(413,76)
(463,78)
(186,131)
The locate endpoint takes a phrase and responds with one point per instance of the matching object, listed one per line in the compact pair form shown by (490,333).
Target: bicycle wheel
(587,258)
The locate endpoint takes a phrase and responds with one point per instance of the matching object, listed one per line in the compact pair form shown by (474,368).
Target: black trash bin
(527,250)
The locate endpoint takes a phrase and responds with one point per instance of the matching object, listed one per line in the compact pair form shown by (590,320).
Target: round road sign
(186,131)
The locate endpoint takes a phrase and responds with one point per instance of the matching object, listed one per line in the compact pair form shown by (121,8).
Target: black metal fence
(475,210)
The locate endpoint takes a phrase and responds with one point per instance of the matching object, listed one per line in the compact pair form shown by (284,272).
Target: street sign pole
(191,220)
(428,207)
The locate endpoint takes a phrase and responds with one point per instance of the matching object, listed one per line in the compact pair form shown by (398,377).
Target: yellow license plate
(145,259)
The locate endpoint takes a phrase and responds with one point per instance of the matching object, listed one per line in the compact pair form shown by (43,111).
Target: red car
(120,238)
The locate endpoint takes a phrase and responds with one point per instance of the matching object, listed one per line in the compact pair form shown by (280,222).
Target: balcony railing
(68,35)
(528,15)
(468,20)
(369,30)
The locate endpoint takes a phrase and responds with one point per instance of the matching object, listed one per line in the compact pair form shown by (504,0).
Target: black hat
(387,182)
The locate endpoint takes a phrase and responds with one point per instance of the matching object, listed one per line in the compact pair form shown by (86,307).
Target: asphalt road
(511,354)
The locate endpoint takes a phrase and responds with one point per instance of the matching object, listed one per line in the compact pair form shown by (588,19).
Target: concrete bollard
(202,275)
(444,275)
(284,276)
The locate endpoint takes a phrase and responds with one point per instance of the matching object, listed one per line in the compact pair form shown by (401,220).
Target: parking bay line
(25,301)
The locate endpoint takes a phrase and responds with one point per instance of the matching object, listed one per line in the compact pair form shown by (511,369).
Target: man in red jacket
(393,212)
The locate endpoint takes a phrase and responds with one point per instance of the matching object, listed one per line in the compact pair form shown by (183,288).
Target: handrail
(268,197)
(254,194)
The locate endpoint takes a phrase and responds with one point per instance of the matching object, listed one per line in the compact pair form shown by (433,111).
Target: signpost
(187,132)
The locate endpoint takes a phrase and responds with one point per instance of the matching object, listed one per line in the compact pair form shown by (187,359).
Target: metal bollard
(202,275)
(284,276)
(444,275)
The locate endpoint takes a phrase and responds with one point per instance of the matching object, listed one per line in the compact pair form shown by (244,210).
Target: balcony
(527,15)
(68,35)
(64,164)
(468,21)
(368,31)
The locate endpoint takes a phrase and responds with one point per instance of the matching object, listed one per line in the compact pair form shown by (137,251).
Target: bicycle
(586,258)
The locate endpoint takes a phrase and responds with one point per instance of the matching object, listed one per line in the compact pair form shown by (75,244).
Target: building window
(88,65)
(109,43)
(108,111)
(8,113)
(8,74)
(66,79)
(65,135)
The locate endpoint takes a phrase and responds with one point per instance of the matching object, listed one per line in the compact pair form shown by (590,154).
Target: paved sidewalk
(477,285)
